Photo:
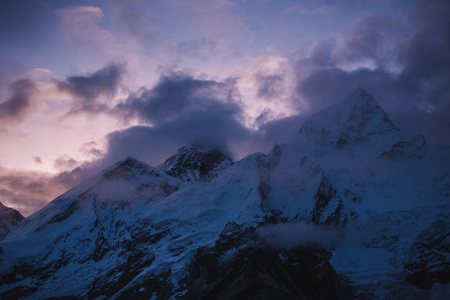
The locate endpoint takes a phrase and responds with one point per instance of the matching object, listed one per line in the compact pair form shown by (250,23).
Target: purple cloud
(406,67)
(17,108)
(87,89)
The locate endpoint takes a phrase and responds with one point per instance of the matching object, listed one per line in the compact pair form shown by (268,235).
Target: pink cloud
(79,23)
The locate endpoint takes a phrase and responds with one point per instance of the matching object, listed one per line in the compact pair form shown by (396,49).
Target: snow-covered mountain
(196,163)
(192,228)
(9,219)
(351,168)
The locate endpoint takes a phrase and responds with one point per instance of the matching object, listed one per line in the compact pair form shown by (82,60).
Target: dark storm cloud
(87,89)
(182,110)
(426,55)
(178,94)
(406,68)
(328,86)
(370,40)
(16,108)
(154,144)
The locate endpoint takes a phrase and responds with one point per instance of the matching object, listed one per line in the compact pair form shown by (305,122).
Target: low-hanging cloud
(287,236)
(179,94)
(180,110)
(405,65)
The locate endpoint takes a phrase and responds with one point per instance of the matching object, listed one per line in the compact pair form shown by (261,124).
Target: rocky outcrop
(239,267)
(9,219)
(196,163)
(428,257)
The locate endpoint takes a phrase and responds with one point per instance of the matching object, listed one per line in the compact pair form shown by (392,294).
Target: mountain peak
(361,92)
(196,162)
(127,160)
(353,119)
(125,168)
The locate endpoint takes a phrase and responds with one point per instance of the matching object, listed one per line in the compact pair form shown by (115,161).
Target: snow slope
(78,233)
(351,168)
(136,230)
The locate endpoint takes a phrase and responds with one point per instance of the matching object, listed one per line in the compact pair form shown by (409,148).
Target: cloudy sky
(85,83)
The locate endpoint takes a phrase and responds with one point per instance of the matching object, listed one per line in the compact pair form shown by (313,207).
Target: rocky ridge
(9,219)
(183,229)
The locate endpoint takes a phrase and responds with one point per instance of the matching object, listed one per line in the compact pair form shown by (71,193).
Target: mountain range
(352,208)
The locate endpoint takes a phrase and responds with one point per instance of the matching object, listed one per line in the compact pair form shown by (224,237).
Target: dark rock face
(405,149)
(428,261)
(9,218)
(127,259)
(238,267)
(326,194)
(196,163)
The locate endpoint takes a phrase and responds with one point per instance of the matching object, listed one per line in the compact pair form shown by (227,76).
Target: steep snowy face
(91,227)
(129,226)
(126,184)
(351,158)
(349,121)
(134,231)
(351,168)
(196,163)
(357,124)
(9,219)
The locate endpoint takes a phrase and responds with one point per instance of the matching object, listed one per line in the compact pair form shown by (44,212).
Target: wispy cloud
(79,24)
(326,9)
